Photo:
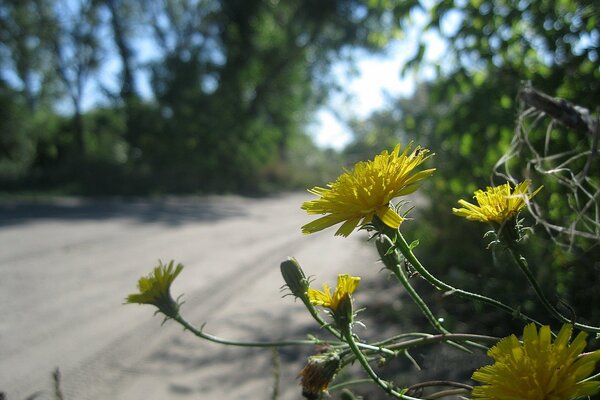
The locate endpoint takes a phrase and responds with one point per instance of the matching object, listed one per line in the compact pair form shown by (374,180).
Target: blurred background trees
(211,95)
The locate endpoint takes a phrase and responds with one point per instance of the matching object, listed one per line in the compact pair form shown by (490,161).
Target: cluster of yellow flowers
(368,189)
(534,370)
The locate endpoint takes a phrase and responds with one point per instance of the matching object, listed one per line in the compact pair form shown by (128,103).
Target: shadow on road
(169,210)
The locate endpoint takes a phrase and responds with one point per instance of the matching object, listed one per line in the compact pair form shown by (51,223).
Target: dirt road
(67,265)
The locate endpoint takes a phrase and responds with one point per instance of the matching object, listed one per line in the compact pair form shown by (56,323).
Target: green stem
(522,263)
(216,339)
(391,262)
(440,285)
(390,257)
(399,273)
(426,339)
(459,388)
(315,314)
(442,338)
(348,383)
(591,378)
(219,340)
(386,386)
(401,336)
(449,392)
(421,385)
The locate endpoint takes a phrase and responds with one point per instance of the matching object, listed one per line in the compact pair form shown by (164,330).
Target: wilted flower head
(318,373)
(496,204)
(358,195)
(538,369)
(155,288)
(346,285)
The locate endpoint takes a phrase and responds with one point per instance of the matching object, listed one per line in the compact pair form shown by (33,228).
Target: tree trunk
(78,131)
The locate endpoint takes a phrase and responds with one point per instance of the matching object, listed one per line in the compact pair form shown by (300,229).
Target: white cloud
(378,79)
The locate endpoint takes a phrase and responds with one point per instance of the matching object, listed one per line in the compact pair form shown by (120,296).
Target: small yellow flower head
(358,195)
(318,373)
(496,204)
(155,289)
(346,285)
(538,369)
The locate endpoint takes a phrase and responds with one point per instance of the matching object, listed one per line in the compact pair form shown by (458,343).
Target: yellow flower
(366,191)
(154,289)
(496,204)
(346,285)
(538,369)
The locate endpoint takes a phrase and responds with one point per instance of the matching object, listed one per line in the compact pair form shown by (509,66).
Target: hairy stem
(522,263)
(388,387)
(216,339)
(440,285)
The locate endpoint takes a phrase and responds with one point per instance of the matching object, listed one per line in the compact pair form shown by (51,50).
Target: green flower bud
(294,278)
(344,314)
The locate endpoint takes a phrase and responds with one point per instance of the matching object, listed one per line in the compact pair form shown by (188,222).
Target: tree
(234,83)
(24,54)
(76,49)
(238,79)
(467,115)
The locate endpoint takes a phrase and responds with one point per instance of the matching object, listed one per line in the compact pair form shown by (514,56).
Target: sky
(378,79)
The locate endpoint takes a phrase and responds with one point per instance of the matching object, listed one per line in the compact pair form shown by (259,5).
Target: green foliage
(16,150)
(234,86)
(467,115)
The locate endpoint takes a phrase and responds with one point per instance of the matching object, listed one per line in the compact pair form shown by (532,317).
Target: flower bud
(294,277)
(344,314)
(386,251)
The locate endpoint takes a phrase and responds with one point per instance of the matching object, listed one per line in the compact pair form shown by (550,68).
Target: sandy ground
(67,265)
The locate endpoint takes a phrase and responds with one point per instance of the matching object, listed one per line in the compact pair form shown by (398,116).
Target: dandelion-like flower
(497,204)
(358,195)
(346,285)
(155,289)
(538,369)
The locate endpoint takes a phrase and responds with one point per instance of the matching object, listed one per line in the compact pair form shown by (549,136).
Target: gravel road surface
(66,266)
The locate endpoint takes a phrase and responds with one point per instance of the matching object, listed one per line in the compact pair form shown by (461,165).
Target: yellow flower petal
(367,189)
(347,227)
(389,217)
(154,289)
(496,204)
(346,285)
(537,369)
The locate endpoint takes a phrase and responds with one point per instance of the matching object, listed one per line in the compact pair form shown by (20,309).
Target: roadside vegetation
(233,89)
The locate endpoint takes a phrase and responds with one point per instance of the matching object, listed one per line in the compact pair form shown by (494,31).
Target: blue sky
(378,79)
